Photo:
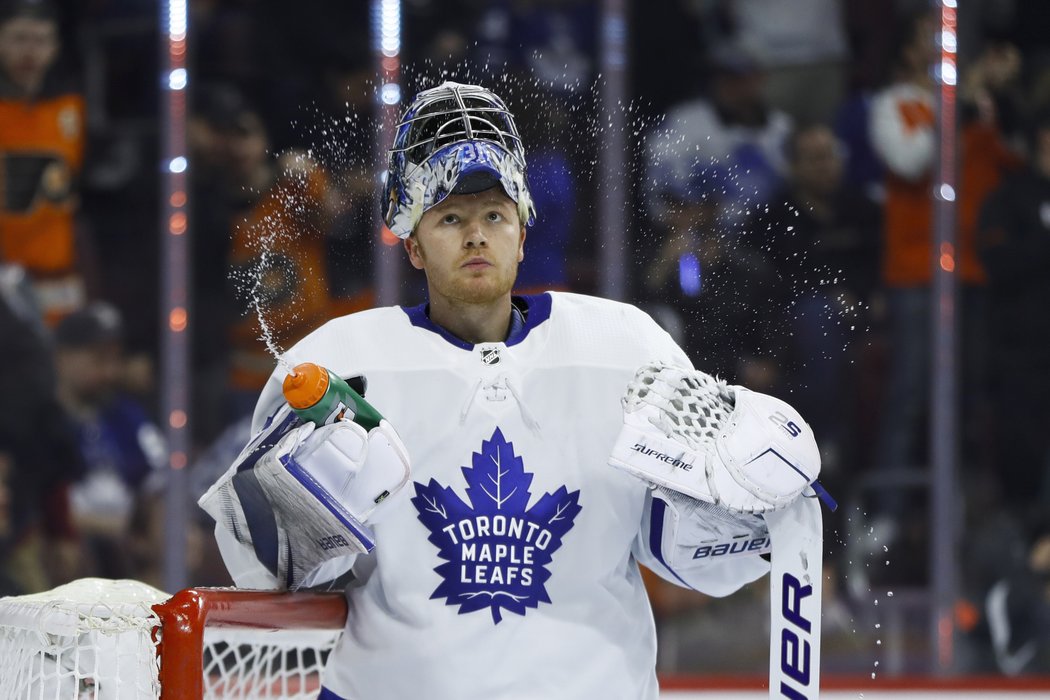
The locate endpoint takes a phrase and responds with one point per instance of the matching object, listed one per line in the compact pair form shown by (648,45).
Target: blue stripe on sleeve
(656,536)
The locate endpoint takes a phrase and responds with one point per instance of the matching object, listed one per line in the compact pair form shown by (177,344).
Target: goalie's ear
(415,256)
(521,245)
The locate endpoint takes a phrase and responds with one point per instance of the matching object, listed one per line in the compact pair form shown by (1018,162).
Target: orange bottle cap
(306,386)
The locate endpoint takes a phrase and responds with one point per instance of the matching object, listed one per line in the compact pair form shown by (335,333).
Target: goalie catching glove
(688,432)
(301,495)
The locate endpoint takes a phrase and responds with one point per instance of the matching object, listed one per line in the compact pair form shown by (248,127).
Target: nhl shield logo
(490,356)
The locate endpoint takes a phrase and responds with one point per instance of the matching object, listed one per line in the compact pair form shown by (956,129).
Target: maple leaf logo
(496,549)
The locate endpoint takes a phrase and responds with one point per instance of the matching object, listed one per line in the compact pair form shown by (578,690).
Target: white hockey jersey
(510,568)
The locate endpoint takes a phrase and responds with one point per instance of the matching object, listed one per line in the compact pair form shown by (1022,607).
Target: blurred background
(759,175)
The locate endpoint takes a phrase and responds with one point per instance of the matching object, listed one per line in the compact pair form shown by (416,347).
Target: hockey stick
(795,599)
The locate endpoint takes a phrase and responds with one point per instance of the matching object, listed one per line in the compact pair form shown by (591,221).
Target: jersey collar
(531,310)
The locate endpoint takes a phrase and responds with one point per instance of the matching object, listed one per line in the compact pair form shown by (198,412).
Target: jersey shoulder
(570,306)
(369,340)
(572,302)
(346,345)
(347,332)
(608,331)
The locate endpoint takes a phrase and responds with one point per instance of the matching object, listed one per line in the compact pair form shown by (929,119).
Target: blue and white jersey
(124,455)
(510,568)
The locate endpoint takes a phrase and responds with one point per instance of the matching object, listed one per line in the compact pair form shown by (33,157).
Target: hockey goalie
(525,455)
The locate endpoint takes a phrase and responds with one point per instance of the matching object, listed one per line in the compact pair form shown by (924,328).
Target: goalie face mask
(453,139)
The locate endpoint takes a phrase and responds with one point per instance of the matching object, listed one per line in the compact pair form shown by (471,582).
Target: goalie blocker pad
(298,496)
(695,533)
(759,458)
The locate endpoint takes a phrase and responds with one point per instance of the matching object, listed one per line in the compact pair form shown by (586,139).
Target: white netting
(94,639)
(258,664)
(87,639)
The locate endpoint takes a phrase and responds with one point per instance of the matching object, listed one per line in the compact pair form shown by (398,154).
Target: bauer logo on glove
(687,431)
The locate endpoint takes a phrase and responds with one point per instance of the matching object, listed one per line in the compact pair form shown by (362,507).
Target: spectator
(347,151)
(1015,248)
(903,134)
(555,189)
(553,40)
(556,39)
(993,93)
(280,211)
(732,128)
(41,150)
(656,75)
(37,447)
(1018,610)
(720,301)
(212,460)
(822,235)
(863,168)
(213,306)
(115,502)
(802,47)
(997,540)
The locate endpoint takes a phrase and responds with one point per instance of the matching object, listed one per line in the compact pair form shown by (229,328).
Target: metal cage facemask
(453,139)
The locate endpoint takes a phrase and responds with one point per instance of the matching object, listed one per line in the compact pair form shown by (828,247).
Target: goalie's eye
(450,219)
(495,217)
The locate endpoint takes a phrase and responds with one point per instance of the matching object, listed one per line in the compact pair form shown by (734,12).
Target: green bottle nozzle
(320,397)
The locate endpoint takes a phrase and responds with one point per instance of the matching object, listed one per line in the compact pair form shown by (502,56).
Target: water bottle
(320,397)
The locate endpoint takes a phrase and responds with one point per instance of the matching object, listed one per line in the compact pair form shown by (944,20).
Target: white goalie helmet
(453,139)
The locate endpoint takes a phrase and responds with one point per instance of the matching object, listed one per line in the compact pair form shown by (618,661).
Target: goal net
(101,639)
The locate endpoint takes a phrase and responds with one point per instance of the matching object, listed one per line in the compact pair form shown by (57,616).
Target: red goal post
(185,616)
